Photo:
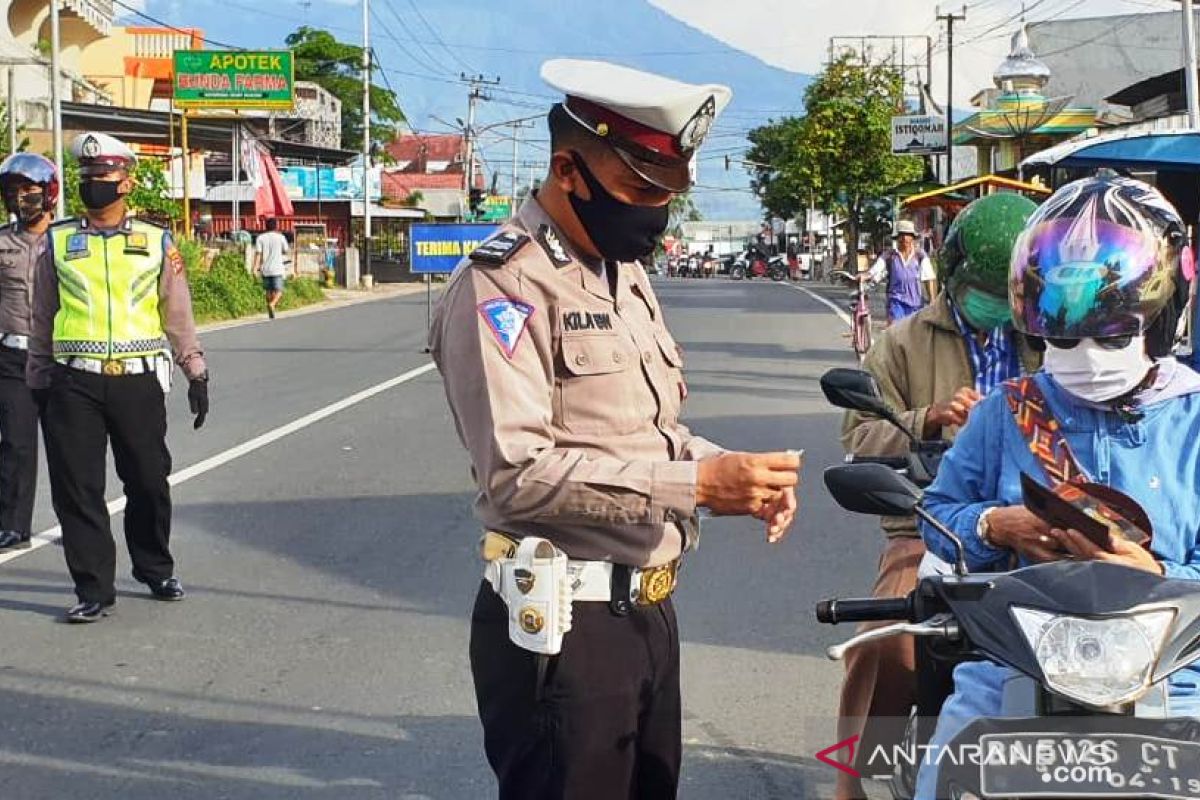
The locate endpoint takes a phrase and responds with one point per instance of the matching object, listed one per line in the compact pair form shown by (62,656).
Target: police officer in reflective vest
(29,185)
(111,306)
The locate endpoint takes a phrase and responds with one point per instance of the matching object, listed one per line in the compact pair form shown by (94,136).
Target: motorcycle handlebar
(832,612)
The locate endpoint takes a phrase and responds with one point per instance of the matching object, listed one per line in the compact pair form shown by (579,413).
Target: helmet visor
(1084,277)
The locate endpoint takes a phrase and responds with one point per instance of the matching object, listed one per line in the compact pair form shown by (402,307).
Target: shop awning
(1147,150)
(957,195)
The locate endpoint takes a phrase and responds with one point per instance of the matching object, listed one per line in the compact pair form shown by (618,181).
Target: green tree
(682,209)
(337,66)
(840,150)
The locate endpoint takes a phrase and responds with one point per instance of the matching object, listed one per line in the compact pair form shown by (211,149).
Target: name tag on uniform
(77,246)
(137,243)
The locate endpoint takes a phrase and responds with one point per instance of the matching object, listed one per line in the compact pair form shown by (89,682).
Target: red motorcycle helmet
(28,168)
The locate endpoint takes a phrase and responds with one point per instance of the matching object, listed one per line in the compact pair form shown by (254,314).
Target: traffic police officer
(111,304)
(566,389)
(29,185)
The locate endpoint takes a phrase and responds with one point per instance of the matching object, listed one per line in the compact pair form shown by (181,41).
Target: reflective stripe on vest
(108,292)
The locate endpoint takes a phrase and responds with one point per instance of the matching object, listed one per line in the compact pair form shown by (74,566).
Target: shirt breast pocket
(600,389)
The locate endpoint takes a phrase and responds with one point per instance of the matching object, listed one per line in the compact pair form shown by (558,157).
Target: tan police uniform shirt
(568,399)
(19,250)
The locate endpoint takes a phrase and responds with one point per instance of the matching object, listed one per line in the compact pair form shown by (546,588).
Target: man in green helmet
(932,368)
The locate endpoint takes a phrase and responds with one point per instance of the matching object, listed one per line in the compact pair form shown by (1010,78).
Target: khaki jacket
(568,399)
(917,362)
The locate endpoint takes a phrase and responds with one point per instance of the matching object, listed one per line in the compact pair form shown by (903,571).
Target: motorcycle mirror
(856,390)
(874,489)
(878,490)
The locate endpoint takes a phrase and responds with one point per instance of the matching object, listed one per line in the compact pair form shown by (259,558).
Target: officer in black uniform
(111,308)
(29,185)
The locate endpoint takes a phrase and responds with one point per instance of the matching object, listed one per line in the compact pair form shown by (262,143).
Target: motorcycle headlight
(1097,662)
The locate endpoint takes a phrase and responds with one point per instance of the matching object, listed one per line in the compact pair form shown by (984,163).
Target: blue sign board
(436,249)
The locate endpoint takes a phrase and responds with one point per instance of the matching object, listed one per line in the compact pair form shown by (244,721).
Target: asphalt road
(331,566)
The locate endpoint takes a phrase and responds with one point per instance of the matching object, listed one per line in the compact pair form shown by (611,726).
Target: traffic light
(475,201)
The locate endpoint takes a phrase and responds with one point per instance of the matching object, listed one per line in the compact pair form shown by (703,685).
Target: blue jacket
(1156,461)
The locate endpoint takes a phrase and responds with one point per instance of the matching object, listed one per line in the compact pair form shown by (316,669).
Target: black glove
(198,399)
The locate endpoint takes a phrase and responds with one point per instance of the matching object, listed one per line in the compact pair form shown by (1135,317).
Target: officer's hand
(779,514)
(952,413)
(198,400)
(1017,528)
(745,483)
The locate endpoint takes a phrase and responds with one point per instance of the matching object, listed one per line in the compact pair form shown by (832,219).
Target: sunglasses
(1105,343)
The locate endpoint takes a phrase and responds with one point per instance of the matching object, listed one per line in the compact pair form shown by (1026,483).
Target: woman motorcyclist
(1100,277)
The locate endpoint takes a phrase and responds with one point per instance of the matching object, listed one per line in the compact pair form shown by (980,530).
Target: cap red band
(652,139)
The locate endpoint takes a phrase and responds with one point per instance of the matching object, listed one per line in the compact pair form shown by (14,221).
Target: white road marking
(258,442)
(832,306)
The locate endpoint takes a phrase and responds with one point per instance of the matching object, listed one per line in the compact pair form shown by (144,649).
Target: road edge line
(115,506)
(842,315)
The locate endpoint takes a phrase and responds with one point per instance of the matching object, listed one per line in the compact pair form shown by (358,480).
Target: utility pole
(56,101)
(476,82)
(950,19)
(517,125)
(366,143)
(1189,64)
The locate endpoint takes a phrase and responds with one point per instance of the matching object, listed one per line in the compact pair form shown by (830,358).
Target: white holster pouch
(536,585)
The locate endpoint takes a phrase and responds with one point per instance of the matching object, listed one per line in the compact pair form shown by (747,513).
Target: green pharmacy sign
(241,79)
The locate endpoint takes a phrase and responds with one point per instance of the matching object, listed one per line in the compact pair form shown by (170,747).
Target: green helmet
(976,255)
(979,244)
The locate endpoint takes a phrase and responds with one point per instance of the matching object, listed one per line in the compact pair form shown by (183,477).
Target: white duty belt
(134,365)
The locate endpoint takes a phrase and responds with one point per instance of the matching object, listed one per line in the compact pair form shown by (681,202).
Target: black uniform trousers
(83,413)
(607,725)
(18,444)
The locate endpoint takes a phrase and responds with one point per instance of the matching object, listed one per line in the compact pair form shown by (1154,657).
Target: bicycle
(860,330)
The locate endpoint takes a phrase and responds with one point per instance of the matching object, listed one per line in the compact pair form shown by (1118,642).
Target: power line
(432,64)
(453,54)
(168,26)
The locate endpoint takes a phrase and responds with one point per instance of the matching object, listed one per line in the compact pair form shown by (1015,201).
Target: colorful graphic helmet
(980,241)
(28,168)
(1102,257)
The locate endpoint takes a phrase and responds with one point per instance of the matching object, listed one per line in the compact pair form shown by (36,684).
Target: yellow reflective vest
(108,290)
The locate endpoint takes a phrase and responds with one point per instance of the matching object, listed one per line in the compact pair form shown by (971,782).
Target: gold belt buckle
(113,367)
(657,583)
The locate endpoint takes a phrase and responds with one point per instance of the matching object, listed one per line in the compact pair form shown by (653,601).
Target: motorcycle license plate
(1030,765)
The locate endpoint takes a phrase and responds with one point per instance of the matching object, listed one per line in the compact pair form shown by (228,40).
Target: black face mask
(99,194)
(620,231)
(30,208)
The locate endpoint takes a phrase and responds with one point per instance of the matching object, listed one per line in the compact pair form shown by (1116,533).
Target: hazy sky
(794,34)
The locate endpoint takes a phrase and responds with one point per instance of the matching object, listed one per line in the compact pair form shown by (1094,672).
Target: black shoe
(88,612)
(270,312)
(164,589)
(11,540)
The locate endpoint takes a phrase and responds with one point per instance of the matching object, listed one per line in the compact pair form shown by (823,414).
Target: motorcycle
(753,263)
(1092,641)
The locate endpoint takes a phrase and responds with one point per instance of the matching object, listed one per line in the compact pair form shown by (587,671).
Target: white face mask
(1094,373)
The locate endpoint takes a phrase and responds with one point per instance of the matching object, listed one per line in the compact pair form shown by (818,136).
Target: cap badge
(697,128)
(602,129)
(90,148)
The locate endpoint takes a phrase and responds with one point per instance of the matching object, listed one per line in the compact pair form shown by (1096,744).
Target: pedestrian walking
(909,273)
(271,262)
(566,387)
(29,184)
(111,305)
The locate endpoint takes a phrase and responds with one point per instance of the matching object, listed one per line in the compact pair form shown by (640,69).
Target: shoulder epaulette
(499,249)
